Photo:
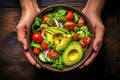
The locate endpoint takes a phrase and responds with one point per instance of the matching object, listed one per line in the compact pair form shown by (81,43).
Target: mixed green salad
(60,38)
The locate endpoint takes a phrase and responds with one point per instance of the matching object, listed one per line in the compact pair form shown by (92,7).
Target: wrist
(94,6)
(89,11)
(29,7)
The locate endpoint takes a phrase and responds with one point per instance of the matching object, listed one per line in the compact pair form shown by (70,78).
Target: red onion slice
(46,53)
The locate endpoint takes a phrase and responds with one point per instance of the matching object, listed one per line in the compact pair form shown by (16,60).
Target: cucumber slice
(49,60)
(42,58)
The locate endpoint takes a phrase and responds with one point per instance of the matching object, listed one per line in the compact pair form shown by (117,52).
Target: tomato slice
(70,16)
(80,21)
(43,31)
(45,19)
(87,40)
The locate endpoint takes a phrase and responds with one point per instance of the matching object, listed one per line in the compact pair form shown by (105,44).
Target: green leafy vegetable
(76,16)
(36,24)
(58,63)
(33,44)
(86,30)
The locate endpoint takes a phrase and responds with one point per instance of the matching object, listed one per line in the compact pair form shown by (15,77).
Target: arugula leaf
(58,63)
(36,24)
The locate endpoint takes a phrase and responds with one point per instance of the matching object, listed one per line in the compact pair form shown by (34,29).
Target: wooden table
(15,66)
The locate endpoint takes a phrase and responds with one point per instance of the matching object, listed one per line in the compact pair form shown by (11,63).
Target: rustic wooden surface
(15,66)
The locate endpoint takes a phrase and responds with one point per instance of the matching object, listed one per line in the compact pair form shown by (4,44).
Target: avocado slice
(58,36)
(72,54)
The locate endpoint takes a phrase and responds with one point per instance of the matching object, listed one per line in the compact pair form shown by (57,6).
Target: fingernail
(24,47)
(81,66)
(38,66)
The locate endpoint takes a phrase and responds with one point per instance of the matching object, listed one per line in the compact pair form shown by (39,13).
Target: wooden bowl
(87,53)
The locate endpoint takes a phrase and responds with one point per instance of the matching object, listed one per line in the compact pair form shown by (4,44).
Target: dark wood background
(15,66)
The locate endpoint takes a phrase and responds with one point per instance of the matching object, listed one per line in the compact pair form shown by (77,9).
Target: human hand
(99,29)
(29,12)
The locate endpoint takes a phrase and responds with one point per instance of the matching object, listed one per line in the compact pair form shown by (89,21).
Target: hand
(28,14)
(99,33)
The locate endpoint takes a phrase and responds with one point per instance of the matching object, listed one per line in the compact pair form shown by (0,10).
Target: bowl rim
(88,50)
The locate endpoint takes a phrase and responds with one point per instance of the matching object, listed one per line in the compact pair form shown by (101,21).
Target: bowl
(87,51)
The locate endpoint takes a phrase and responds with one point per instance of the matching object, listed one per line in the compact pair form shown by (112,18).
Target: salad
(60,38)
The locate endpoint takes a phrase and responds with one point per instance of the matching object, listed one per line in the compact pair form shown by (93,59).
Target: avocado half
(58,36)
(72,54)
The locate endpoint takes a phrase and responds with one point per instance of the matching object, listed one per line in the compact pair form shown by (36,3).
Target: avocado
(72,54)
(58,36)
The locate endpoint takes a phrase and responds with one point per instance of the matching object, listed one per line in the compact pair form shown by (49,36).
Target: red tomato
(80,21)
(45,19)
(37,37)
(69,27)
(82,44)
(44,46)
(36,51)
(52,54)
(54,24)
(70,16)
(87,40)
(43,31)
(75,36)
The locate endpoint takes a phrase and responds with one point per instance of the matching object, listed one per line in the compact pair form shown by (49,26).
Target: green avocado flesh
(58,36)
(72,54)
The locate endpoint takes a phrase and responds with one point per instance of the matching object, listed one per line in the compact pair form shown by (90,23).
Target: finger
(81,66)
(92,57)
(23,41)
(89,60)
(38,66)
(96,43)
(22,36)
(32,61)
(99,33)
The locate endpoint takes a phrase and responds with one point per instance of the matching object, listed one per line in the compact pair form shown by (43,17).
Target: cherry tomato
(54,24)
(44,46)
(80,21)
(45,19)
(37,37)
(75,36)
(87,40)
(69,27)
(82,44)
(52,54)
(70,16)
(43,31)
(36,51)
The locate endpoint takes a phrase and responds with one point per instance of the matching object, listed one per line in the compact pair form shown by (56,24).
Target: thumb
(96,44)
(24,43)
(22,37)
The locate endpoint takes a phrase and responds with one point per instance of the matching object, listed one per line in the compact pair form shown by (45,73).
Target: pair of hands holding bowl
(30,10)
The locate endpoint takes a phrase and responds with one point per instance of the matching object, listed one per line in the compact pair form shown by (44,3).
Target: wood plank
(9,18)
(9,3)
